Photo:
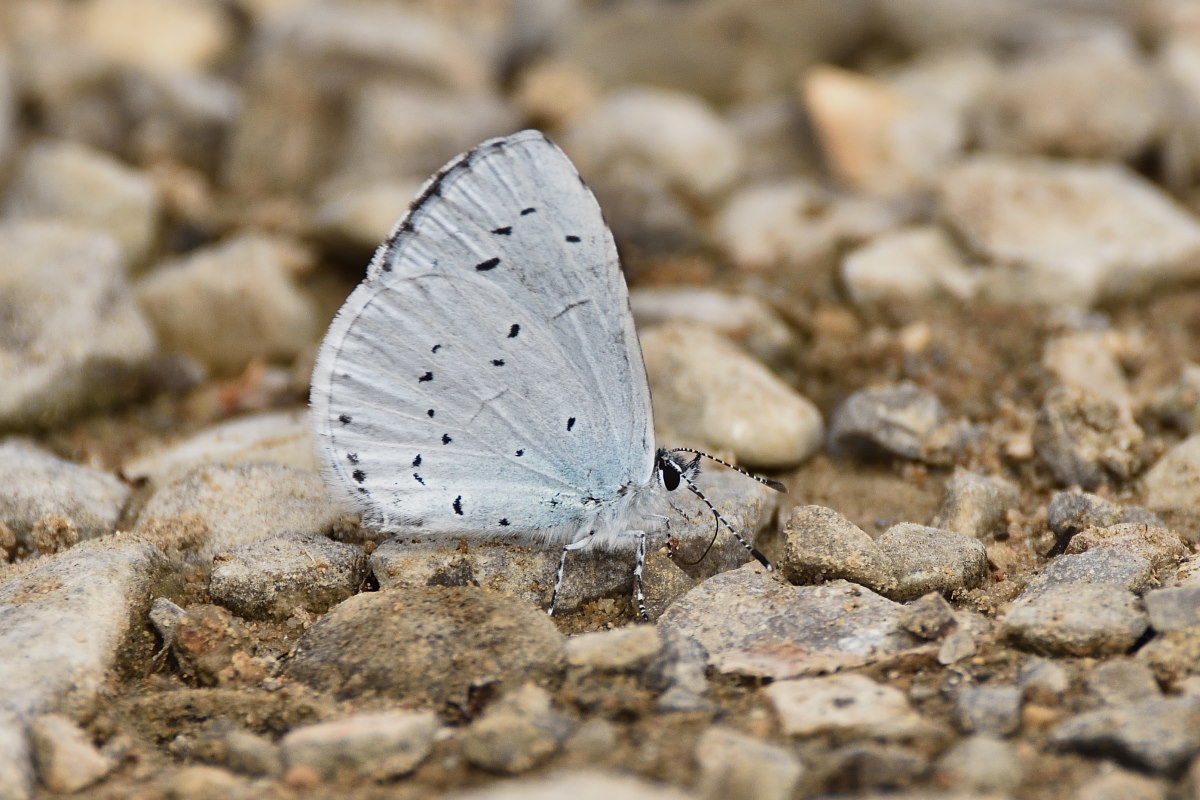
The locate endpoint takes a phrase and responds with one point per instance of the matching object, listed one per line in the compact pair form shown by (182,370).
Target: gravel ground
(935,265)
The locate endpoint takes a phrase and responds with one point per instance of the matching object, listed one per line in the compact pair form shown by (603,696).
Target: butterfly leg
(562,568)
(639,568)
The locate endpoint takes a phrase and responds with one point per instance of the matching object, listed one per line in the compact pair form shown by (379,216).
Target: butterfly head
(672,468)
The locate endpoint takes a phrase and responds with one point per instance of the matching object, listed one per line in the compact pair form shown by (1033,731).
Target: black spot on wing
(570,423)
(572,239)
(418,478)
(505,231)
(520,452)
(435,348)
(458,505)
(352,458)
(497,362)
(429,413)
(344,419)
(417,460)
(359,475)
(514,330)
(446,438)
(527,211)
(491,263)
(504,521)
(428,376)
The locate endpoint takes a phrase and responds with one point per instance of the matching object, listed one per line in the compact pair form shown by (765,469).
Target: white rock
(1085,361)
(578,784)
(229,303)
(216,507)
(71,337)
(672,134)
(744,318)
(378,746)
(734,765)
(275,437)
(618,649)
(178,35)
(58,643)
(1173,483)
(408,132)
(778,224)
(362,213)
(1060,233)
(72,183)
(1090,99)
(40,492)
(67,761)
(874,137)
(847,704)
(909,265)
(707,390)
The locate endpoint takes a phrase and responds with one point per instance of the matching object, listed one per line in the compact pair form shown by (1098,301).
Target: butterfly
(485,379)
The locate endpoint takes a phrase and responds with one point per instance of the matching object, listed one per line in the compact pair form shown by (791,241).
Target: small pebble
(672,134)
(1089,99)
(1123,681)
(740,617)
(1086,438)
(981,763)
(619,650)
(1077,619)
(214,508)
(900,420)
(1175,608)
(907,266)
(379,746)
(733,765)
(516,733)
(778,225)
(67,761)
(932,560)
(69,345)
(1173,482)
(929,616)
(823,545)
(990,710)
(74,184)
(975,504)
(846,705)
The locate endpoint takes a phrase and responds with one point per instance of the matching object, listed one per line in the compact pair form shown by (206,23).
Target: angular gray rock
(271,578)
(751,624)
(1157,735)
(1077,619)
(1084,438)
(932,560)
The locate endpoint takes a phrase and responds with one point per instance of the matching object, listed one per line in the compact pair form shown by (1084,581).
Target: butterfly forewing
(486,376)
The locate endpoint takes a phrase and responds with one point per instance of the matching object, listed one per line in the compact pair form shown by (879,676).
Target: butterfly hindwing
(486,376)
